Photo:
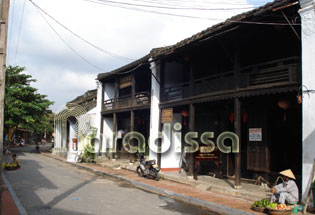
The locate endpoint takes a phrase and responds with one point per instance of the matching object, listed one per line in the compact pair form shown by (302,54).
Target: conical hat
(288,173)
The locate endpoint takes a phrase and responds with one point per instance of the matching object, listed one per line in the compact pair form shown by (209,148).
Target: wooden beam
(101,135)
(237,113)
(237,125)
(102,119)
(132,128)
(114,134)
(191,168)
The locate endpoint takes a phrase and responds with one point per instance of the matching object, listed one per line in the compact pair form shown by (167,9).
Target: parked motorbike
(148,168)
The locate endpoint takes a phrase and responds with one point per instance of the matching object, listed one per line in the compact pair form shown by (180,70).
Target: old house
(74,125)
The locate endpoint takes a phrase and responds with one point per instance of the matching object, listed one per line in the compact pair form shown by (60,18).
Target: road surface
(49,187)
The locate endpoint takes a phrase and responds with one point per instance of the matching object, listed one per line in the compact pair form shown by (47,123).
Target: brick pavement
(8,205)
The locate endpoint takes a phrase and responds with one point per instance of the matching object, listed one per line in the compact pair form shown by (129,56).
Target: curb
(218,208)
(14,197)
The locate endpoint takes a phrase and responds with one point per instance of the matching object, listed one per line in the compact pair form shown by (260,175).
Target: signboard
(255,134)
(167,115)
(207,153)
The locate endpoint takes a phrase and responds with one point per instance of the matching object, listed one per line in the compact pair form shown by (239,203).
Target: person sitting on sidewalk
(15,161)
(286,191)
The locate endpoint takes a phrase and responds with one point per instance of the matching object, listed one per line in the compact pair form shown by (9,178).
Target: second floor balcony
(140,99)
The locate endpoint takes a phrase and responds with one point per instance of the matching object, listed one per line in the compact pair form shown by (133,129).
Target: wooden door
(258,158)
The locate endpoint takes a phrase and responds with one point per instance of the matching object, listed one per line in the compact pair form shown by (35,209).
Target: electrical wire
(18,40)
(73,50)
(10,34)
(187,16)
(78,36)
(171,8)
(152,11)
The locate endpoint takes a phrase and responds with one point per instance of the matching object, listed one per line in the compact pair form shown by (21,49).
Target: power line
(186,16)
(152,11)
(11,25)
(171,8)
(78,36)
(73,50)
(18,41)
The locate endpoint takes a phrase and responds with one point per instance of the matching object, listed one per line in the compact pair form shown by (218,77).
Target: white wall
(308,79)
(107,133)
(109,92)
(98,110)
(171,158)
(72,134)
(155,110)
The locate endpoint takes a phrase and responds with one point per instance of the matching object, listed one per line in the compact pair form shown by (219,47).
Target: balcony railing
(139,99)
(274,72)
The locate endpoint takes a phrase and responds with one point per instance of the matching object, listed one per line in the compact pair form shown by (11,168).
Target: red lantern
(299,99)
(184,113)
(232,117)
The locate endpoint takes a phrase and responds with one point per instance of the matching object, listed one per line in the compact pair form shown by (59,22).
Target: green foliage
(24,107)
(88,152)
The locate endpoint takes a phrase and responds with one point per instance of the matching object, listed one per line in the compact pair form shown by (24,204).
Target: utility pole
(4,13)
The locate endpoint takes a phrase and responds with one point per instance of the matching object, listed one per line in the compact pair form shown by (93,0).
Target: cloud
(61,74)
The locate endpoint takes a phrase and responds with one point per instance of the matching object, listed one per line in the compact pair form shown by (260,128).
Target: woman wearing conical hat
(286,192)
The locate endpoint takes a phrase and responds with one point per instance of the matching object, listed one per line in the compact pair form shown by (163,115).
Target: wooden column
(237,112)
(191,80)
(132,128)
(237,125)
(133,89)
(191,128)
(116,93)
(114,134)
(102,119)
(101,136)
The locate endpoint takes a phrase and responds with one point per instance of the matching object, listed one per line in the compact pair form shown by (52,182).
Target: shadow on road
(29,180)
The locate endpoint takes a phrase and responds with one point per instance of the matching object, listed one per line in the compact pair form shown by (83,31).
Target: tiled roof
(215,29)
(87,100)
(125,68)
(247,16)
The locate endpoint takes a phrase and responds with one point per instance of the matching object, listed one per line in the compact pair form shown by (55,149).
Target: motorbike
(148,168)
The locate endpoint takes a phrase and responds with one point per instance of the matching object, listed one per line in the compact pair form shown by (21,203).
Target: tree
(24,107)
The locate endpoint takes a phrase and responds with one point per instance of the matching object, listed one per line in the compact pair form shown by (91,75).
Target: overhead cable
(187,16)
(18,40)
(68,45)
(171,8)
(78,36)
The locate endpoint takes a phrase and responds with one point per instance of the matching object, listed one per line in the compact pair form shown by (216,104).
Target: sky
(66,66)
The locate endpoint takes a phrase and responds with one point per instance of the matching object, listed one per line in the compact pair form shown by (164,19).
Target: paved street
(46,186)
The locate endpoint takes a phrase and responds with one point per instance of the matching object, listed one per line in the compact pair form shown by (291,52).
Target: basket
(11,168)
(258,209)
(279,211)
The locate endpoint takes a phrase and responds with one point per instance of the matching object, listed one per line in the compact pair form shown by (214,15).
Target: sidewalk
(214,201)
(10,203)
(249,192)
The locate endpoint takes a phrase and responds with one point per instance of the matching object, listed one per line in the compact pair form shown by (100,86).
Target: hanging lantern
(232,117)
(284,104)
(299,99)
(184,113)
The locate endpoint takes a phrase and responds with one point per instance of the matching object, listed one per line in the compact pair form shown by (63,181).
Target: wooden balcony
(138,100)
(273,73)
